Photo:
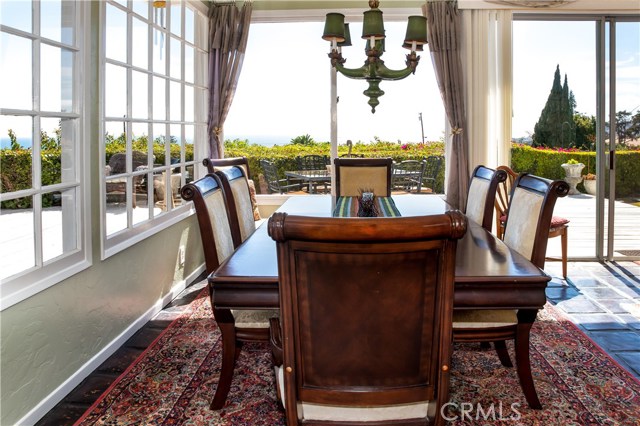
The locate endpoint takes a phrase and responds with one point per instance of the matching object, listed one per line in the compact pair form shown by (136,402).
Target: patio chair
(215,164)
(559,225)
(118,165)
(527,232)
(315,162)
(238,325)
(481,195)
(407,176)
(274,183)
(364,329)
(431,169)
(356,174)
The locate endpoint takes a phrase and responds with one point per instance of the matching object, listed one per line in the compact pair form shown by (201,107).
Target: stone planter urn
(590,185)
(573,176)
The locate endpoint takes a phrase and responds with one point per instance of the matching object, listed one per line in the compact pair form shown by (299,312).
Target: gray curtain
(228,34)
(443,24)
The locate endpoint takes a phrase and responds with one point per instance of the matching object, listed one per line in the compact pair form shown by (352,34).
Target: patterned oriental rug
(173,381)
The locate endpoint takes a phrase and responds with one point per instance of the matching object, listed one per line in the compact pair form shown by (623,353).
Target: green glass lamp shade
(373,25)
(334,27)
(416,30)
(347,37)
(408,46)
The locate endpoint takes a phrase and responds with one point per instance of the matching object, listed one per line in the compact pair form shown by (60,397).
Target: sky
(284,87)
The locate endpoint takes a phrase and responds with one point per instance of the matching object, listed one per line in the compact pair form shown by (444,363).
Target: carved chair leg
(503,354)
(229,354)
(525,321)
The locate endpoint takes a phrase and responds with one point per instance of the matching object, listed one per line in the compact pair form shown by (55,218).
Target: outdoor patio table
(489,275)
(310,177)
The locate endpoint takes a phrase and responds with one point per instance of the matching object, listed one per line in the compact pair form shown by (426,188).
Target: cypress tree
(555,127)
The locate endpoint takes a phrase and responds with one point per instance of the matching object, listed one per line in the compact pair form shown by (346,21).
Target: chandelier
(373,70)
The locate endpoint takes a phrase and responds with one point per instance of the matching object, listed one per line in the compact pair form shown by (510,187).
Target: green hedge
(547,163)
(284,156)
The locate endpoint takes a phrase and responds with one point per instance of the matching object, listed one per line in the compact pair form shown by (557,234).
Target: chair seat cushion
(480,318)
(309,411)
(557,222)
(253,318)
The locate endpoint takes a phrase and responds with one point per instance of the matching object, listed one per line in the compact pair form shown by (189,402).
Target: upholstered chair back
(530,210)
(236,189)
(213,218)
(365,316)
(482,193)
(215,164)
(355,174)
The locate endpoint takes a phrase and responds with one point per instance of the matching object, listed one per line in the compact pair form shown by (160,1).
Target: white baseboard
(68,385)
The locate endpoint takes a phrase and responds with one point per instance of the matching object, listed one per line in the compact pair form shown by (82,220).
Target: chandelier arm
(361,73)
(385,73)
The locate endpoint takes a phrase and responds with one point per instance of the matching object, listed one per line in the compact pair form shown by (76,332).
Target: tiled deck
(599,298)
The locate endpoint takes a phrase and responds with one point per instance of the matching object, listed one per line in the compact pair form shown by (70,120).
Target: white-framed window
(44,212)
(154,84)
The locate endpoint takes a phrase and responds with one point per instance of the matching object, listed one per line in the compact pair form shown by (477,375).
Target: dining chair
(238,197)
(432,166)
(526,231)
(407,176)
(276,185)
(356,174)
(364,334)
(215,164)
(238,325)
(559,225)
(481,195)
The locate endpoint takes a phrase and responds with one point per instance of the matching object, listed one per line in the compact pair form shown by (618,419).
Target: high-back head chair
(356,174)
(527,232)
(247,323)
(481,195)
(364,334)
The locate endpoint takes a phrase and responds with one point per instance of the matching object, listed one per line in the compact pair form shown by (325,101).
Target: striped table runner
(348,207)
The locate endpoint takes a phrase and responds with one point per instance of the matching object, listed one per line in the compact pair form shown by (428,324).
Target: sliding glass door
(576,82)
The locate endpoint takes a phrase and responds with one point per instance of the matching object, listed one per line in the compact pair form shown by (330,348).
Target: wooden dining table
(489,275)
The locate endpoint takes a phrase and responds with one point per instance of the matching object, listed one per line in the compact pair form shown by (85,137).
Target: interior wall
(52,340)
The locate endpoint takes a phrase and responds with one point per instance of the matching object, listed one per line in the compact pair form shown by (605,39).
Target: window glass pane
(116,217)
(16,135)
(16,14)
(115,91)
(17,243)
(188,64)
(68,129)
(56,79)
(140,47)
(115,142)
(50,145)
(175,64)
(159,132)
(15,84)
(159,52)
(188,151)
(140,95)
(189,33)
(188,103)
(175,101)
(59,234)
(176,19)
(139,137)
(141,7)
(57,19)
(116,34)
(159,99)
